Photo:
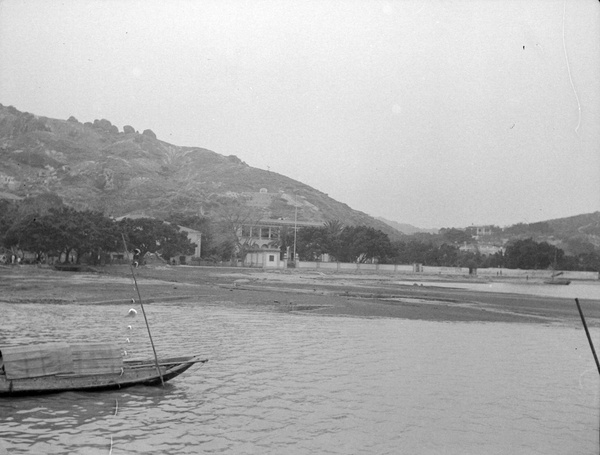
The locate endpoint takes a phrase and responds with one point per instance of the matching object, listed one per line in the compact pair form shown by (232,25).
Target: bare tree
(235,219)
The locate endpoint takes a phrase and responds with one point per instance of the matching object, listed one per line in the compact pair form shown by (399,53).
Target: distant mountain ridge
(407,229)
(95,166)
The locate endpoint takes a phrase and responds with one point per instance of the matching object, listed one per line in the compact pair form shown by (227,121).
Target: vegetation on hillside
(64,168)
(46,227)
(95,166)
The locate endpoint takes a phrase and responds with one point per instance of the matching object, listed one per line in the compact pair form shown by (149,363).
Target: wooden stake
(587,332)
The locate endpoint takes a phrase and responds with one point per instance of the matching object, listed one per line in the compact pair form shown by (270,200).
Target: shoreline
(294,291)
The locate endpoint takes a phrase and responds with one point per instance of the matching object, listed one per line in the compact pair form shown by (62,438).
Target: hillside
(95,166)
(407,229)
(587,225)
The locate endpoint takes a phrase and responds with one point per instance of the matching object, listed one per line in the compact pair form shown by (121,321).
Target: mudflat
(357,295)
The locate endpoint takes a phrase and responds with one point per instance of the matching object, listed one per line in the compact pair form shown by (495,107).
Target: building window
(271,258)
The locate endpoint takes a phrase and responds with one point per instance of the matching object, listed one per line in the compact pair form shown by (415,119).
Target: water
(582,289)
(280,383)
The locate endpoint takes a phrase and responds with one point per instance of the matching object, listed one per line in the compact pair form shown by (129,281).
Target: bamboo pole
(143,311)
(587,332)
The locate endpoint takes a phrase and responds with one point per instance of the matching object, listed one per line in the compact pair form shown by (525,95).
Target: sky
(433,113)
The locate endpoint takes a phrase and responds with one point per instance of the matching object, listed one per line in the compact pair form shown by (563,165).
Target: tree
(155,236)
(362,243)
(333,238)
(579,245)
(14,214)
(528,254)
(65,231)
(448,256)
(455,236)
(232,218)
(311,242)
(30,234)
(8,214)
(199,223)
(100,235)
(588,261)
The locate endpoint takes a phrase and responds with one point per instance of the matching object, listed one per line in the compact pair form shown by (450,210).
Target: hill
(407,229)
(94,165)
(586,225)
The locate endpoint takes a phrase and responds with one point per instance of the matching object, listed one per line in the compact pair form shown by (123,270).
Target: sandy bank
(291,291)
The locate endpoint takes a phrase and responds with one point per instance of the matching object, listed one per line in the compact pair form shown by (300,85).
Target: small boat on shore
(554,277)
(559,281)
(67,267)
(61,367)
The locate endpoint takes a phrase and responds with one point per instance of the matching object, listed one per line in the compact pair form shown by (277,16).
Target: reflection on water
(288,383)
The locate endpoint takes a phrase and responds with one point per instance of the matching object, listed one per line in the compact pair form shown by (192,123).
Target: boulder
(104,125)
(149,133)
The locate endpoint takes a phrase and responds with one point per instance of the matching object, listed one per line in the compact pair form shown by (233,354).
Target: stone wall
(453,271)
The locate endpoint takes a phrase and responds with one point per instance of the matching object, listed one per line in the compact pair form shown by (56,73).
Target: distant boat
(553,278)
(67,267)
(560,281)
(59,367)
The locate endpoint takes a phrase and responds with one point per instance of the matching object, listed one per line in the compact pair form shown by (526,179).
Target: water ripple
(288,383)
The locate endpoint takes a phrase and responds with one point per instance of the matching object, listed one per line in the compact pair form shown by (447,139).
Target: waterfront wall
(418,269)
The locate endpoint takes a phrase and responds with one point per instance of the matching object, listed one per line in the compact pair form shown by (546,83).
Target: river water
(290,383)
(577,289)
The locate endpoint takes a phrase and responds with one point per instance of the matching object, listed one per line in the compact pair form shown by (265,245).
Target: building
(267,232)
(481,231)
(487,249)
(267,258)
(195,237)
(262,199)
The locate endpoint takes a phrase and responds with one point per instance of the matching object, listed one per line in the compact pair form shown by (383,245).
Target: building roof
(278,222)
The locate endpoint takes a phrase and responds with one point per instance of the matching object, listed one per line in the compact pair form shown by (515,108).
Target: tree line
(46,227)
(366,244)
(63,232)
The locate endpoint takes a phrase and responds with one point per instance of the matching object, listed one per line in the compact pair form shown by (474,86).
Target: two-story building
(267,232)
(264,236)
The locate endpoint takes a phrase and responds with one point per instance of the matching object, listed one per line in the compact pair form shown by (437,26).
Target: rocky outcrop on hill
(93,165)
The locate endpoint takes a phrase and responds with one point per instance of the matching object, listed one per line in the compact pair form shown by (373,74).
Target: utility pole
(295,224)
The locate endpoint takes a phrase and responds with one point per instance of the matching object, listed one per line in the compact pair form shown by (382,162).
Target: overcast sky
(433,113)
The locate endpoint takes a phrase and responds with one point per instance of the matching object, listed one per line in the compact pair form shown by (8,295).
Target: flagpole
(295,226)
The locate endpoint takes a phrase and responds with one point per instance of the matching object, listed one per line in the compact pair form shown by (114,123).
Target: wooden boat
(553,278)
(58,367)
(67,267)
(560,281)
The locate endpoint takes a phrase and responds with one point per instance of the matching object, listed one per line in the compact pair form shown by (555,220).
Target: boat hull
(558,282)
(133,373)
